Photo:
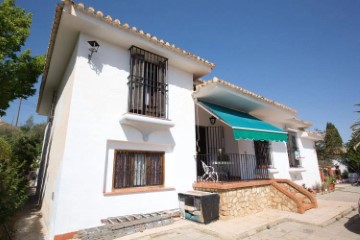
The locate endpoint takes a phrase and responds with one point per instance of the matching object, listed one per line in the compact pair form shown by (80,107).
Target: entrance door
(210,140)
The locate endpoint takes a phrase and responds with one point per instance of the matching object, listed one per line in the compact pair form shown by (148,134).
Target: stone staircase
(304,199)
(247,197)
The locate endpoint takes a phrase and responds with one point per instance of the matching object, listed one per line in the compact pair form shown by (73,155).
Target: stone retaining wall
(243,198)
(244,201)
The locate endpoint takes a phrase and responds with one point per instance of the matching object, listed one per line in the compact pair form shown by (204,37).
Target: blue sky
(304,54)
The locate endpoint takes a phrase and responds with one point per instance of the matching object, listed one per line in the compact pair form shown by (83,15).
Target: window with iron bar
(148,87)
(293,150)
(138,169)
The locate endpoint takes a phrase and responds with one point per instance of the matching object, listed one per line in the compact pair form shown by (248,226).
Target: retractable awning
(246,126)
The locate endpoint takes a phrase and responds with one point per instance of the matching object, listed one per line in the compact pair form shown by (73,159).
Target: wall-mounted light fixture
(94,48)
(212,120)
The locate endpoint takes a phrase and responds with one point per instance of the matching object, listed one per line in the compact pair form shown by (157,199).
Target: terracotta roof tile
(246,92)
(91,11)
(316,134)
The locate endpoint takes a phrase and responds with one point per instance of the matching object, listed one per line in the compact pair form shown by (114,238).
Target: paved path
(347,228)
(335,218)
(29,223)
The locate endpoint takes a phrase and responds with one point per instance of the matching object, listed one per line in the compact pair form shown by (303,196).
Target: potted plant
(330,180)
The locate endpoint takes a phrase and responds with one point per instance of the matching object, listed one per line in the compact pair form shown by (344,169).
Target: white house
(121,134)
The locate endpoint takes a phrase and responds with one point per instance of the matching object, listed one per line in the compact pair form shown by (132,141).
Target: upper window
(293,150)
(138,169)
(148,88)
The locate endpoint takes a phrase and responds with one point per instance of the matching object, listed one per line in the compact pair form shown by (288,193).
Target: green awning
(246,126)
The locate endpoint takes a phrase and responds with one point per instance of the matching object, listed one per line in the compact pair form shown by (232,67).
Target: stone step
(115,227)
(308,206)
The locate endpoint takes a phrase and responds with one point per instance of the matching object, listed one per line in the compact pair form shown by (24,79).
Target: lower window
(138,169)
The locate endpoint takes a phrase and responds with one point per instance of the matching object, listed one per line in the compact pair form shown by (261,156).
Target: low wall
(244,198)
(241,202)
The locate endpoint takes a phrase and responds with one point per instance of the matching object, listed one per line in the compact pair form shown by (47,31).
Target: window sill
(138,190)
(273,170)
(297,169)
(146,124)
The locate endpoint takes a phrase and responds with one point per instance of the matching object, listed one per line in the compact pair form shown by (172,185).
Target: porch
(232,167)
(235,146)
(245,160)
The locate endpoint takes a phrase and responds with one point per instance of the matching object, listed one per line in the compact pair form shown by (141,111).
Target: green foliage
(24,151)
(13,188)
(333,142)
(320,147)
(352,160)
(7,131)
(5,150)
(330,180)
(12,182)
(331,147)
(19,151)
(18,70)
(356,130)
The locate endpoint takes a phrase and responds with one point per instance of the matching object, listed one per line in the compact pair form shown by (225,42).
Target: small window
(138,169)
(293,150)
(147,83)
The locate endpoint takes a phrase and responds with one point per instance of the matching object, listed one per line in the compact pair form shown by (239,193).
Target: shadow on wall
(96,65)
(44,164)
(162,137)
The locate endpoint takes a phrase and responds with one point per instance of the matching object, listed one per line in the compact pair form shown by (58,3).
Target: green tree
(18,70)
(352,160)
(13,188)
(320,146)
(5,150)
(12,183)
(333,142)
(7,131)
(24,151)
(19,150)
(356,131)
(332,145)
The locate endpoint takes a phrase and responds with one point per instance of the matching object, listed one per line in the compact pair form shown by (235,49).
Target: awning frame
(282,135)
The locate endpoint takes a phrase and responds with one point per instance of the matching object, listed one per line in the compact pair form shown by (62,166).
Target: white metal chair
(210,173)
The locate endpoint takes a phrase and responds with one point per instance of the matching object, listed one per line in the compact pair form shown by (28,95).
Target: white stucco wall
(310,162)
(56,146)
(99,100)
(308,174)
